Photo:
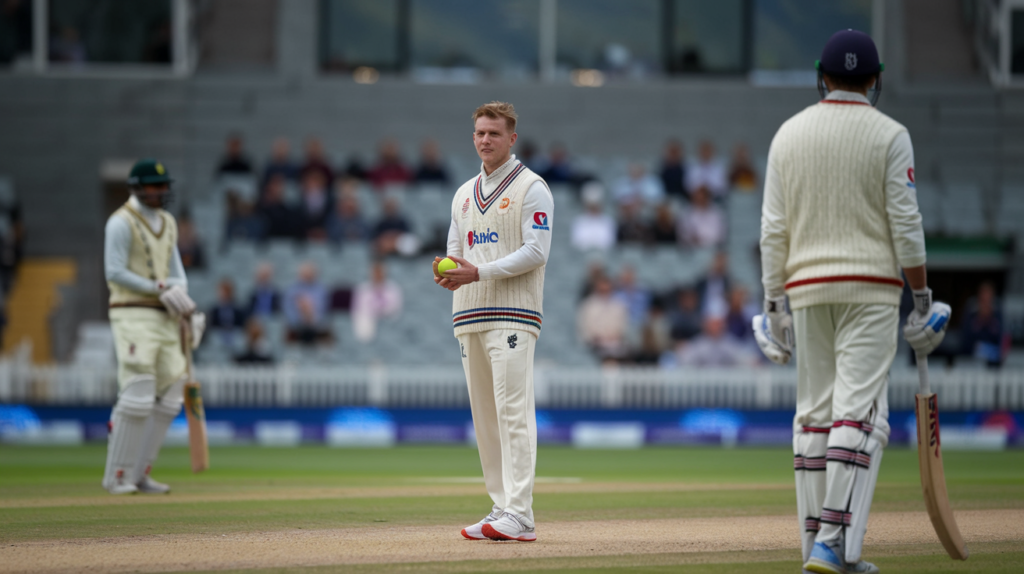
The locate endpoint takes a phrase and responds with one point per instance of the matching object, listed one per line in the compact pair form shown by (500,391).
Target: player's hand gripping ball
(445,265)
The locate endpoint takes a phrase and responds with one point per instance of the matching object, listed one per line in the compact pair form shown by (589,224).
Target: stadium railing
(289,385)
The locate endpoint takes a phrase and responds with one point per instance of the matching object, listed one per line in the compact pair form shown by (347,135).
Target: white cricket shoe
(474,532)
(862,567)
(117,485)
(149,486)
(509,527)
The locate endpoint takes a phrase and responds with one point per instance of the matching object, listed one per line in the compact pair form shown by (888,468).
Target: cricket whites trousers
(499,373)
(844,352)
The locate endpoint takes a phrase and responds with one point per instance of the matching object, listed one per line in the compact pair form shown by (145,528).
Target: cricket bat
(198,446)
(933,477)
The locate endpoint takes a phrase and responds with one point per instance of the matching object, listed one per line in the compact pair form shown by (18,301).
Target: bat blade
(196,415)
(933,477)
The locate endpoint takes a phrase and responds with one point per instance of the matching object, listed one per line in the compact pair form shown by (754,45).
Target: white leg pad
(809,467)
(127,427)
(854,457)
(165,410)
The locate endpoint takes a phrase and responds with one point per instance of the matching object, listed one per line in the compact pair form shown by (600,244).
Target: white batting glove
(177,301)
(198,324)
(926,325)
(773,331)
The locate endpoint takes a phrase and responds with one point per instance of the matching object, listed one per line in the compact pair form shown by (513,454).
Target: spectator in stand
(673,169)
(347,223)
(633,229)
(595,274)
(265,300)
(593,229)
(389,169)
(226,317)
(280,162)
(685,320)
(234,160)
(189,245)
(280,221)
(305,305)
(390,228)
(655,335)
(558,169)
(742,176)
(739,315)
(663,230)
(356,168)
(982,333)
(257,347)
(316,159)
(707,172)
(639,187)
(308,330)
(317,203)
(603,322)
(243,223)
(636,299)
(431,168)
(374,300)
(715,286)
(716,347)
(703,225)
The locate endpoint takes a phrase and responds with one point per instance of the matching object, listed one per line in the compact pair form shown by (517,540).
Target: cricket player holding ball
(148,300)
(500,236)
(839,221)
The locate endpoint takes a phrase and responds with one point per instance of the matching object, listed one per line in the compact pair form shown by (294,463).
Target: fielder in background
(148,301)
(839,221)
(500,236)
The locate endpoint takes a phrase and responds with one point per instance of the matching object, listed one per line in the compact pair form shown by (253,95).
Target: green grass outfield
(51,493)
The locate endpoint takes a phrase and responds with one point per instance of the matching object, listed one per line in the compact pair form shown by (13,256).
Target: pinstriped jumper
(831,161)
(489,215)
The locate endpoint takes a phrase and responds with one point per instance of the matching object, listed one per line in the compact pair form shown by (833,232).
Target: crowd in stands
(305,307)
(312,200)
(706,324)
(680,203)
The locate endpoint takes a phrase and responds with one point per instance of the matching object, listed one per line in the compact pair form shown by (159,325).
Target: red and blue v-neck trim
(484,203)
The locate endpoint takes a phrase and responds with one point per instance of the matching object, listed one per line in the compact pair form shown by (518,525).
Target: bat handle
(922,374)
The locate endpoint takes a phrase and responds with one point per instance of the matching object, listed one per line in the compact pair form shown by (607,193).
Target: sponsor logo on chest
(465,208)
(480,237)
(504,205)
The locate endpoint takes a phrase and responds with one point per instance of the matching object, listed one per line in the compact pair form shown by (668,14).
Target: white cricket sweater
(840,212)
(502,224)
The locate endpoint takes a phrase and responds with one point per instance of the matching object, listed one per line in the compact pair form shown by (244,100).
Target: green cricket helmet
(150,172)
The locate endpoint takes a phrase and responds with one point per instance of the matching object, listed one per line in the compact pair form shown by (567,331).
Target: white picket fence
(294,386)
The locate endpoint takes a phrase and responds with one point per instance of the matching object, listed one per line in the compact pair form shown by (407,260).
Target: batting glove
(198,325)
(926,325)
(177,302)
(773,331)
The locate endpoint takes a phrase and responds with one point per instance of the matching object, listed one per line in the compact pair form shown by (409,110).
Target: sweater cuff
(487,271)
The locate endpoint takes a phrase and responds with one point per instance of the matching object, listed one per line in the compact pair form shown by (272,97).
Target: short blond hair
(498,110)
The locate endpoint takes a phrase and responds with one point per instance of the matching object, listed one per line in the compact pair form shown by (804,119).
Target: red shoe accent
(470,537)
(493,534)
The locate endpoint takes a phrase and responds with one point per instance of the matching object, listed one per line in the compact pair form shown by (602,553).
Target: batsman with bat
(839,221)
(149,305)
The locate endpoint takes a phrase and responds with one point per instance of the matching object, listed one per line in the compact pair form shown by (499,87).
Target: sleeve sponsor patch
(540,221)
(910,177)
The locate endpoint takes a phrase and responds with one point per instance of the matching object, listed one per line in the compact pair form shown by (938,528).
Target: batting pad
(128,427)
(165,410)
(809,446)
(853,459)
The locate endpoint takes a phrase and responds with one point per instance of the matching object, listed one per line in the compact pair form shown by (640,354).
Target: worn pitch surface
(314,510)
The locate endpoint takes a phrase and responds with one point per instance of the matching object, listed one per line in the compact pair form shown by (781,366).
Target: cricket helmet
(150,172)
